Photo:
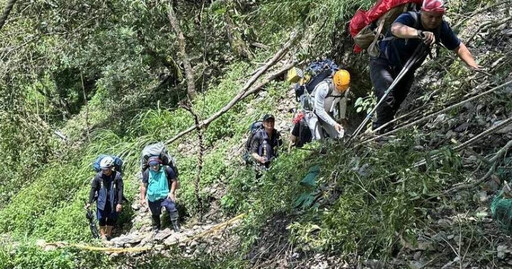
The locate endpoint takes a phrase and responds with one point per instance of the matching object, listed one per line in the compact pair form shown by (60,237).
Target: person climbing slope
(408,31)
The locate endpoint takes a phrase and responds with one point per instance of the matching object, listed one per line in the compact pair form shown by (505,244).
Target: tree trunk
(191,89)
(236,41)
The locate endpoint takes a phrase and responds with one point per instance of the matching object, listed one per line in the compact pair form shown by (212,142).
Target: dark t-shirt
(171,176)
(406,47)
(272,143)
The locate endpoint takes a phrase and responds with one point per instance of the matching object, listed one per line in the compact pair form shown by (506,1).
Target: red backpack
(366,27)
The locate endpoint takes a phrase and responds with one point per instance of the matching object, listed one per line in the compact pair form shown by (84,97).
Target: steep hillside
(111,78)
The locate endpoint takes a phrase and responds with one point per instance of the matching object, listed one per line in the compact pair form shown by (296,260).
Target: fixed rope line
(142,249)
(411,112)
(438,112)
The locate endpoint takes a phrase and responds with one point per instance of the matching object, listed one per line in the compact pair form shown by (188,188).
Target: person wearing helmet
(329,101)
(159,184)
(407,32)
(107,185)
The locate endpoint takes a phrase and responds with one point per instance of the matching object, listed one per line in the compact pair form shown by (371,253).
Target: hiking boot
(175,226)
(155,223)
(174,221)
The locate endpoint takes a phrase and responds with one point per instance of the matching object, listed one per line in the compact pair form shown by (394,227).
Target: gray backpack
(158,149)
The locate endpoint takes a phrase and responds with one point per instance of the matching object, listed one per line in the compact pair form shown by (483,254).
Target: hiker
(159,184)
(407,32)
(326,101)
(327,95)
(107,185)
(300,133)
(264,143)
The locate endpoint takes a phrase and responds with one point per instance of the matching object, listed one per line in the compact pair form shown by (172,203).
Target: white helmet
(107,162)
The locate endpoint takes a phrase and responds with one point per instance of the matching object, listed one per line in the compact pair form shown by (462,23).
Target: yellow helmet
(341,80)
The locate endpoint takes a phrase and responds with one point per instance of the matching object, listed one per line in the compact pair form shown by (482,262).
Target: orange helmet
(341,80)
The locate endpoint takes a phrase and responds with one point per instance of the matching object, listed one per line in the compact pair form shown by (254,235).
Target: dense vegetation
(108,77)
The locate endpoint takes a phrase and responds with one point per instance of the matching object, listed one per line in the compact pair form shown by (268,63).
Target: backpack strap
(391,38)
(378,32)
(331,90)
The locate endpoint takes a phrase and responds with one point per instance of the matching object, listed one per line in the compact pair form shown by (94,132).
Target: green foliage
(318,19)
(121,56)
(30,256)
(382,197)
(52,204)
(365,104)
(56,187)
(25,145)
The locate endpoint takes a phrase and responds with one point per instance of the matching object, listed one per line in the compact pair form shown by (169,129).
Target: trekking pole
(418,54)
(92,224)
(433,114)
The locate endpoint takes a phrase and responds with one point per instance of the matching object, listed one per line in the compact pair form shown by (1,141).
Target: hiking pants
(320,129)
(156,206)
(107,216)
(382,75)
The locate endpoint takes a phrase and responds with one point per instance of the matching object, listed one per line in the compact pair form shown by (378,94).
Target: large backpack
(118,163)
(158,149)
(315,73)
(305,135)
(368,27)
(253,129)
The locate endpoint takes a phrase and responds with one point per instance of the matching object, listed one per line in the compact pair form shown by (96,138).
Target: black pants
(382,76)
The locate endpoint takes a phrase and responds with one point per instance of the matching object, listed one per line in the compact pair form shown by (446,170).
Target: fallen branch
(88,134)
(243,92)
(272,77)
(477,137)
(485,133)
(47,126)
(485,26)
(477,11)
(401,116)
(493,160)
(431,115)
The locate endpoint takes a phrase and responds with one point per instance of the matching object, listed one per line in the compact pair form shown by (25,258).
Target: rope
(142,249)
(111,250)
(438,112)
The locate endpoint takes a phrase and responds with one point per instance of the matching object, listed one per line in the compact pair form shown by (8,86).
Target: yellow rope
(112,250)
(140,249)
(216,228)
